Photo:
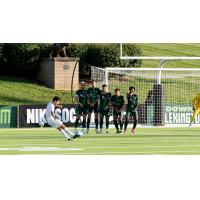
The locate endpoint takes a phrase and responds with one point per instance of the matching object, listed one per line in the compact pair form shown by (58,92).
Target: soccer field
(147,141)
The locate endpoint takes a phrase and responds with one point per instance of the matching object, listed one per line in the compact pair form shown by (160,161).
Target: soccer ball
(80,133)
(41,124)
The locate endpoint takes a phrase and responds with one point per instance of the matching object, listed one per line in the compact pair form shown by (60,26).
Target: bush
(21,59)
(104,55)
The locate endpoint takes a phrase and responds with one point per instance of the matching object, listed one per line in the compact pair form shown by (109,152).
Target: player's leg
(126,121)
(120,122)
(78,113)
(107,121)
(194,114)
(96,116)
(135,121)
(115,119)
(101,120)
(88,120)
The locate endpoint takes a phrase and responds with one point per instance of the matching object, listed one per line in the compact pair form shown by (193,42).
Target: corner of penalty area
(158,104)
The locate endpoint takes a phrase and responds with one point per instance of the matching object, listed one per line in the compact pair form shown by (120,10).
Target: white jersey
(49,110)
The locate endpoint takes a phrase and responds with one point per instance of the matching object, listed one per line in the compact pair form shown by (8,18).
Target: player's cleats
(101,131)
(190,125)
(96,130)
(118,132)
(121,131)
(133,131)
(107,131)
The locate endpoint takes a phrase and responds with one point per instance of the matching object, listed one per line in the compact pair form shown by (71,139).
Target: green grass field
(147,141)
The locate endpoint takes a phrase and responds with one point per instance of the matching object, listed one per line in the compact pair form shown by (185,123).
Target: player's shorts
(95,108)
(56,123)
(132,113)
(116,114)
(104,112)
(82,110)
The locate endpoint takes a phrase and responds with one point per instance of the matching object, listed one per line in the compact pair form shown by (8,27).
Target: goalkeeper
(132,105)
(196,107)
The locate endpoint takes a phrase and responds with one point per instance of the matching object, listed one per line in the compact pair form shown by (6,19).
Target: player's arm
(53,115)
(98,97)
(78,100)
(137,103)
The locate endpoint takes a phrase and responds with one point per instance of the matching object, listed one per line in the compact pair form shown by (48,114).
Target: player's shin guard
(96,123)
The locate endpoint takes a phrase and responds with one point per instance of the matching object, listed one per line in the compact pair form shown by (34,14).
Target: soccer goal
(165,94)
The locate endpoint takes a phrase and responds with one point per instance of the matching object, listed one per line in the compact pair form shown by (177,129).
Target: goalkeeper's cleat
(101,131)
(133,131)
(96,130)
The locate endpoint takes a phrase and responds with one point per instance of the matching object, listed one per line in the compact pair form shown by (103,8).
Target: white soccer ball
(80,133)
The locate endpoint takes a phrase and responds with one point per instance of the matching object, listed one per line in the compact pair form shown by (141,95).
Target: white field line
(41,149)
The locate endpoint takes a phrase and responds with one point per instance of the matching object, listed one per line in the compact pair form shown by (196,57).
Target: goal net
(165,94)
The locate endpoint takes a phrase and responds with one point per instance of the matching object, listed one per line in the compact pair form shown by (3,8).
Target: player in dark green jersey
(82,107)
(93,94)
(104,106)
(132,104)
(118,103)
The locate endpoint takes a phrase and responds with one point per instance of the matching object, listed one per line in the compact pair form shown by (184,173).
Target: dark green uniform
(93,93)
(118,102)
(105,103)
(82,96)
(132,102)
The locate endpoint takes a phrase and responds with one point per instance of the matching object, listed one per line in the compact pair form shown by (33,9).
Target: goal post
(165,94)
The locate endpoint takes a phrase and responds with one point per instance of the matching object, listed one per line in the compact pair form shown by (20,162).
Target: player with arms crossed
(118,103)
(93,94)
(132,104)
(82,108)
(105,97)
(196,107)
(53,121)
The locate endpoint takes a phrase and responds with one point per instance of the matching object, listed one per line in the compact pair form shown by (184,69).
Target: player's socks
(121,125)
(125,125)
(65,135)
(96,130)
(134,124)
(88,123)
(96,123)
(101,123)
(116,124)
(68,132)
(76,123)
(107,123)
(84,123)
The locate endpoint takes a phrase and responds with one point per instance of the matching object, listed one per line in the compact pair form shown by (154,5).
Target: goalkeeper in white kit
(53,121)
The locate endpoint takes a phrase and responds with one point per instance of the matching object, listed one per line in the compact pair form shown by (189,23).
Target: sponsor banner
(179,114)
(31,115)
(8,116)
